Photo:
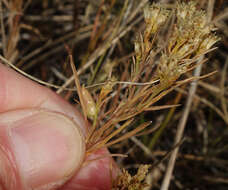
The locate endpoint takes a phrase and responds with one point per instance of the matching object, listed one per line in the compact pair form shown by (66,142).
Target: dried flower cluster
(189,37)
(136,182)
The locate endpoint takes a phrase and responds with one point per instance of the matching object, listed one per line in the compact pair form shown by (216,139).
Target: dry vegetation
(136,65)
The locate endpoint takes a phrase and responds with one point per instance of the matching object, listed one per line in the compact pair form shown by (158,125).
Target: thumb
(39,149)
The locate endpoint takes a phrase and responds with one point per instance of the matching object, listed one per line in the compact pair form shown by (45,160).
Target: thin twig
(183,120)
(30,76)
(222,94)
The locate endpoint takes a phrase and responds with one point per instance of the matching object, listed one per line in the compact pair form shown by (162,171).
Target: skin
(35,117)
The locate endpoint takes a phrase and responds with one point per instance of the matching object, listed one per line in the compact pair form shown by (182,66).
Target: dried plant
(154,71)
(136,182)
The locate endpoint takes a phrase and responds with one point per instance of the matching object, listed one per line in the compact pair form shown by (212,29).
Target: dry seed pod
(90,106)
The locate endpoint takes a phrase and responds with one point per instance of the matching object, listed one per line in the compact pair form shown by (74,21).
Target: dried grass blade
(194,78)
(77,83)
(32,77)
(222,86)
(154,108)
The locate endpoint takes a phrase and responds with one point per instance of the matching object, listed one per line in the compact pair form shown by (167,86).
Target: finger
(94,175)
(17,92)
(38,149)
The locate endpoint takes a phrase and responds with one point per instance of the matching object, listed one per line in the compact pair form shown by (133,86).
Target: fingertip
(46,148)
(97,173)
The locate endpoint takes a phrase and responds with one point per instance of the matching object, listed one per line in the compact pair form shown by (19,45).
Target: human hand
(42,142)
